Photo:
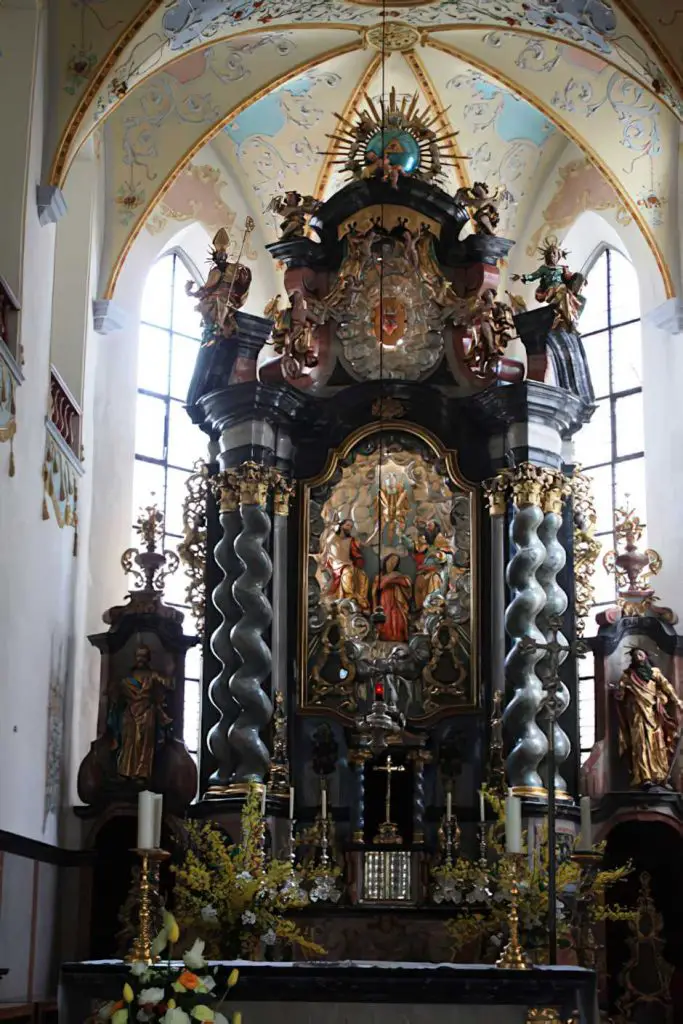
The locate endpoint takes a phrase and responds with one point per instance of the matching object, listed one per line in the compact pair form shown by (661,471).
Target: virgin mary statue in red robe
(391,591)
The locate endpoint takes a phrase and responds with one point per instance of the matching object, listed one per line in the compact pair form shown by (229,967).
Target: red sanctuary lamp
(379,693)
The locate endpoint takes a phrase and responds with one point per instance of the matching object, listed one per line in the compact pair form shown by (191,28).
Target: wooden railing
(65,412)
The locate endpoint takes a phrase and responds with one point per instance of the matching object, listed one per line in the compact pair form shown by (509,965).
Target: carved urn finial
(153,565)
(631,567)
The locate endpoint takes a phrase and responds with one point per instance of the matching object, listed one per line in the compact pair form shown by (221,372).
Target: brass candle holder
(513,956)
(150,861)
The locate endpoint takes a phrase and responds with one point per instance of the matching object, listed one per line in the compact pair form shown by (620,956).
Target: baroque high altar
(388,516)
(381,547)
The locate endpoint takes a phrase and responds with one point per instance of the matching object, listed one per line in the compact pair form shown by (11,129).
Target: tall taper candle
(145,820)
(449,805)
(263,802)
(482,808)
(158,817)
(586,836)
(513,823)
(323,808)
(291,803)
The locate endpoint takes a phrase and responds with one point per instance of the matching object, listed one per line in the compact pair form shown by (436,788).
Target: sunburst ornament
(392,140)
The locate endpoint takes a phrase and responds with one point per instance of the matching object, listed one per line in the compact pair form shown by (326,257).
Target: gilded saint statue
(648,725)
(225,291)
(137,722)
(343,559)
(433,556)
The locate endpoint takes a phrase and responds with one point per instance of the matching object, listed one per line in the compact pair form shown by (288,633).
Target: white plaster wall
(36,562)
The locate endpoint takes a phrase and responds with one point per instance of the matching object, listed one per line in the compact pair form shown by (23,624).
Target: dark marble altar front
(368,992)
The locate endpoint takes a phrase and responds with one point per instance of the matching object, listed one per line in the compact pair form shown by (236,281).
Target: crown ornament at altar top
(149,567)
(393,138)
(632,567)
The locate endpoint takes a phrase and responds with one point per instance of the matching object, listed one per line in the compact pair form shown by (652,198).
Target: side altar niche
(388,521)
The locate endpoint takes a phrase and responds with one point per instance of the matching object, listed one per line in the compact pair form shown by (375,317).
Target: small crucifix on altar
(388,833)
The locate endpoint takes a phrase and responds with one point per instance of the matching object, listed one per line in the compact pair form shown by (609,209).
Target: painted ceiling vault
(261,82)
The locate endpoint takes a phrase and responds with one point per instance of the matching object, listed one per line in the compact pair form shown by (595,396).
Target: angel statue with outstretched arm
(557,285)
(294,209)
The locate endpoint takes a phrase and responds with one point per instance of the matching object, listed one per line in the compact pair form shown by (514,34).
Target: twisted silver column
(221,645)
(529,745)
(250,753)
(555,606)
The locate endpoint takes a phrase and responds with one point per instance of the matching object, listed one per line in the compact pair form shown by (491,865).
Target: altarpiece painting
(389,554)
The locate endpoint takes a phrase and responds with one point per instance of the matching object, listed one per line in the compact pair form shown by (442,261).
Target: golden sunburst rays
(408,135)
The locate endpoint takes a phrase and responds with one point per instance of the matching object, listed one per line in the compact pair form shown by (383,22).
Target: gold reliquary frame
(466,487)
(389,217)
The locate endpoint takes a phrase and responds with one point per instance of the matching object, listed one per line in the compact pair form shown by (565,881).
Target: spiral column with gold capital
(528,743)
(251,756)
(555,488)
(497,499)
(226,490)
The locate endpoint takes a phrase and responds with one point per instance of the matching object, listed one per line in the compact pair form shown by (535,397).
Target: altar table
(360,992)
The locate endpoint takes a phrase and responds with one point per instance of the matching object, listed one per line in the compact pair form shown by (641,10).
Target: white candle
(291,803)
(513,823)
(482,808)
(323,809)
(263,802)
(449,805)
(158,817)
(586,836)
(145,820)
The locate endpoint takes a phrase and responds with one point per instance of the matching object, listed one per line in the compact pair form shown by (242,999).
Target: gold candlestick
(513,956)
(141,950)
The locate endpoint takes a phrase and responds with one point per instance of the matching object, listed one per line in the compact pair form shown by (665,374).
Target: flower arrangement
(481,889)
(235,896)
(172,992)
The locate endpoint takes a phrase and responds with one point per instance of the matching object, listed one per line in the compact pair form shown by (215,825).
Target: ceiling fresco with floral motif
(104,48)
(262,82)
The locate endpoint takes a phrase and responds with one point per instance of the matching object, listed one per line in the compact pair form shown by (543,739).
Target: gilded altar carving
(649,713)
(292,335)
(388,556)
(586,547)
(252,484)
(482,205)
(192,548)
(390,302)
(492,328)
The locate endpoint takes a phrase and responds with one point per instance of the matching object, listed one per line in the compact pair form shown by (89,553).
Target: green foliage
(234,896)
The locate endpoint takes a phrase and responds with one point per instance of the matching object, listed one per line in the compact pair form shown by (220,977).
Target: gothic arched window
(611,447)
(167,443)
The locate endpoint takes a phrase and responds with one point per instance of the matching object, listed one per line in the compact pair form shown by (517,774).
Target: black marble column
(227,496)
(529,745)
(554,608)
(251,756)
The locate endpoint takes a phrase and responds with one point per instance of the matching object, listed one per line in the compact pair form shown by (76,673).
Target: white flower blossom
(248,917)
(193,958)
(150,996)
(245,876)
(208,914)
(269,937)
(175,1016)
